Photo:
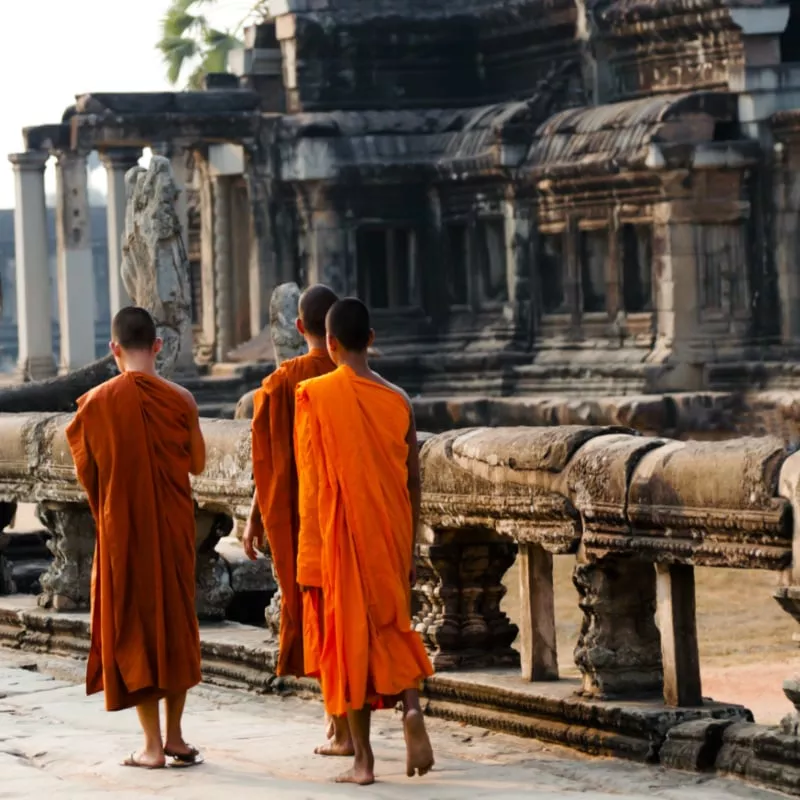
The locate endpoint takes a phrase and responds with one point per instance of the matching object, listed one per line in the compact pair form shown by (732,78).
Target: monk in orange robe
(274,504)
(134,440)
(360,492)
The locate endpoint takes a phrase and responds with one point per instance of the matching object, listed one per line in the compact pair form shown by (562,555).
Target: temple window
(593,252)
(550,259)
(722,280)
(457,269)
(636,249)
(490,260)
(386,267)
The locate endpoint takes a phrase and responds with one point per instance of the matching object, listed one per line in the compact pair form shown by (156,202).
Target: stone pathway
(56,742)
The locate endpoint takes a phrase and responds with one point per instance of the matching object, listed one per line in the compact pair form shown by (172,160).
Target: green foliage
(186,38)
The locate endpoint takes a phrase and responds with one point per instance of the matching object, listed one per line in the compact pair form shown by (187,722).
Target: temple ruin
(571,200)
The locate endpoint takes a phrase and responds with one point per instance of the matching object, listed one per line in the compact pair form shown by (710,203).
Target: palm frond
(176,51)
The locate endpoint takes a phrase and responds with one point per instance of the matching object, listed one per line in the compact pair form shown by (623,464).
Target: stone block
(694,746)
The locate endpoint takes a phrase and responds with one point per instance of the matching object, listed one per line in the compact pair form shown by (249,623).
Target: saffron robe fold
(131,444)
(275,476)
(352,447)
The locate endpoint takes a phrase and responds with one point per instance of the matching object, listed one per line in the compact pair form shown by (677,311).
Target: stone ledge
(244,657)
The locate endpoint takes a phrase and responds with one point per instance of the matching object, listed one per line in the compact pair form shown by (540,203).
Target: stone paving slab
(55,741)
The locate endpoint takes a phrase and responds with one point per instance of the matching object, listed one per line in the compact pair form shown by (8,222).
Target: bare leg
(330,727)
(174,742)
(419,753)
(341,743)
(362,772)
(152,754)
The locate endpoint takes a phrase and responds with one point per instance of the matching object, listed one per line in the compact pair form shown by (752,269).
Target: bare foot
(334,748)
(358,775)
(330,727)
(178,747)
(419,753)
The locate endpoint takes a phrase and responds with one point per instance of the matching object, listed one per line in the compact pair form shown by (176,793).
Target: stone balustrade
(638,513)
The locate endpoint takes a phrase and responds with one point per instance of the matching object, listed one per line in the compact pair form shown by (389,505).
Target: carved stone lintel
(457,600)
(213,591)
(66,586)
(619,648)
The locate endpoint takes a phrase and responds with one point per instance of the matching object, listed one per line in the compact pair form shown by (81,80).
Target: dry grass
(738,620)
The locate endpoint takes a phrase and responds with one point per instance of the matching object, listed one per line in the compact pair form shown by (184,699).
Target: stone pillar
(222,268)
(457,599)
(75,268)
(329,250)
(34,320)
(179,160)
(117,163)
(517,225)
(619,647)
(66,586)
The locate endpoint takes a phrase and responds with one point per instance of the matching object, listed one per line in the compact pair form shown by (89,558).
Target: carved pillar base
(619,648)
(457,600)
(66,586)
(213,591)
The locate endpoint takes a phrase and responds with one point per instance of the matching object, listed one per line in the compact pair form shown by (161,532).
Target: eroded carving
(66,586)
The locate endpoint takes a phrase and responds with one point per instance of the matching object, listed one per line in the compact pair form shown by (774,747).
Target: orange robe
(356,537)
(130,441)
(275,477)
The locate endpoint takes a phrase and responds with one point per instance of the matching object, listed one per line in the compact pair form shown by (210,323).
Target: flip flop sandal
(183,760)
(131,761)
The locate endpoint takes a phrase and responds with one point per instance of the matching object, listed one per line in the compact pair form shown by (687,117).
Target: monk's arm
(414,481)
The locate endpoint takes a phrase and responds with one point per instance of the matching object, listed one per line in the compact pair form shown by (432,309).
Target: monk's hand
(253,537)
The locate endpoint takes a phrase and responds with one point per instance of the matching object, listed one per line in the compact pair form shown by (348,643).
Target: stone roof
(618,136)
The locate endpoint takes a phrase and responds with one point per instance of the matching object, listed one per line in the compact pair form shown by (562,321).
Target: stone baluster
(66,586)
(34,295)
(457,599)
(213,592)
(75,263)
(117,163)
(619,648)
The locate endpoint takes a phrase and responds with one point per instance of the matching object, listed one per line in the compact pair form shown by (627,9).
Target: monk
(134,440)
(360,492)
(274,504)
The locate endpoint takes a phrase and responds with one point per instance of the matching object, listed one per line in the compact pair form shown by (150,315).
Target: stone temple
(576,199)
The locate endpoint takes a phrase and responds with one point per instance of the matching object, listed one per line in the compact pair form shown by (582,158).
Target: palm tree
(187,37)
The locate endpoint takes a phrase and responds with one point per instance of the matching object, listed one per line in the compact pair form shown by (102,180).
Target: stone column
(222,267)
(117,163)
(619,647)
(179,160)
(517,225)
(34,322)
(75,268)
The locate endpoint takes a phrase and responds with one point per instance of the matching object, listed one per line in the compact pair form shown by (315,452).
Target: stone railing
(36,467)
(638,513)
(619,501)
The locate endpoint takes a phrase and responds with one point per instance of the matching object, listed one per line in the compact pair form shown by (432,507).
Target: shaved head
(134,329)
(315,302)
(348,322)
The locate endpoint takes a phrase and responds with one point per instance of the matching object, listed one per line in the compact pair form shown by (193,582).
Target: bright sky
(53,50)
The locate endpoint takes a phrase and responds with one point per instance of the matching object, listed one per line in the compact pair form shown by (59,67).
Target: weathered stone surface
(680,493)
(693,746)
(155,269)
(213,591)
(619,648)
(66,585)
